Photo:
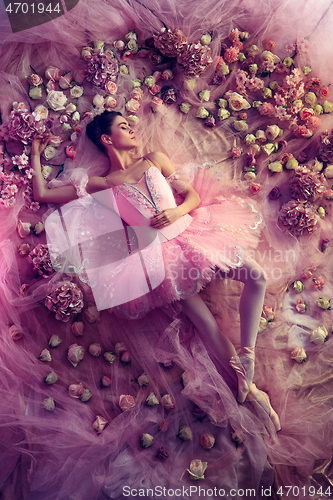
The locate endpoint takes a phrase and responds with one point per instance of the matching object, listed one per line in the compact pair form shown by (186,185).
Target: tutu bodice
(133,267)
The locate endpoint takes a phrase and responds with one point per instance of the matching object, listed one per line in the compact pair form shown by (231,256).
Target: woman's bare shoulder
(162,161)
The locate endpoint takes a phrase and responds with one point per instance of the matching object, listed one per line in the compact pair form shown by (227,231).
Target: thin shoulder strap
(150,161)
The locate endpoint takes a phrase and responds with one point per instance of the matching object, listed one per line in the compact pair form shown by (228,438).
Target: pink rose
(76,390)
(269,313)
(75,354)
(324,92)
(92,314)
(126,402)
(163,427)
(99,424)
(236,152)
(328,194)
(111,87)
(50,85)
(24,249)
(305,113)
(125,357)
(255,187)
(95,349)
(15,332)
(119,348)
(79,75)
(156,104)
(56,100)
(119,44)
(298,354)
(127,55)
(319,282)
(137,93)
(207,441)
(23,229)
(35,80)
(270,45)
(157,75)
(77,328)
(109,103)
(105,381)
(300,306)
(65,81)
(167,402)
(53,73)
(132,105)
(70,151)
(24,289)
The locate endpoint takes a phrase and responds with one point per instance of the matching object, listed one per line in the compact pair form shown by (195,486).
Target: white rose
(152,400)
(76,117)
(249,139)
(224,69)
(76,91)
(132,119)
(291,164)
(185,107)
(329,171)
(197,469)
(298,354)
(298,286)
(202,112)
(318,335)
(237,102)
(146,440)
(35,93)
(240,125)
(261,136)
(269,57)
(268,148)
(46,171)
(49,152)
(51,378)
(133,46)
(275,166)
(253,50)
(222,103)
(272,132)
(204,95)
(56,100)
(190,84)
(223,114)
(42,111)
(123,69)
(98,101)
(316,165)
(250,176)
(206,39)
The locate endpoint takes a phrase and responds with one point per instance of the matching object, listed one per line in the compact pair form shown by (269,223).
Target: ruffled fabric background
(58,454)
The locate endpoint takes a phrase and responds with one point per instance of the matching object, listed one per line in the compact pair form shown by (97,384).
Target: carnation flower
(41,259)
(306,184)
(102,68)
(195,59)
(298,217)
(65,300)
(170,43)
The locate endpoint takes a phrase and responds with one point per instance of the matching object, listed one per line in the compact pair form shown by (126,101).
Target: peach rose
(126,402)
(15,332)
(298,354)
(237,102)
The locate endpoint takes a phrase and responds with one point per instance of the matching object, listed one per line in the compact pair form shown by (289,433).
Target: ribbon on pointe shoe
(244,368)
(264,402)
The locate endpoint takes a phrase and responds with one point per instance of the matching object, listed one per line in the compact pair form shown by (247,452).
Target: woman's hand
(166,217)
(39,144)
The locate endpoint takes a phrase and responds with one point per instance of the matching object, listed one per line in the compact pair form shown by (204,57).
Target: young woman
(213,238)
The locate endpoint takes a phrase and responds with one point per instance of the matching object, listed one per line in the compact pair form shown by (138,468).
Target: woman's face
(122,136)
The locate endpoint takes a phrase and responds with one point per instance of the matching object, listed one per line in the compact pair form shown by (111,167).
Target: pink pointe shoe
(267,413)
(243,364)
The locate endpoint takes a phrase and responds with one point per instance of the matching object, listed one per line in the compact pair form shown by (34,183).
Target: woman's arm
(191,197)
(62,194)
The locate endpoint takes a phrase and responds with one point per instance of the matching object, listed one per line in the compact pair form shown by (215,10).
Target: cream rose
(298,354)
(298,286)
(49,152)
(292,164)
(272,132)
(35,93)
(240,125)
(202,112)
(185,433)
(51,378)
(269,57)
(152,400)
(56,100)
(268,148)
(76,91)
(146,440)
(237,102)
(143,379)
(329,171)
(197,469)
(42,111)
(318,335)
(223,114)
(49,404)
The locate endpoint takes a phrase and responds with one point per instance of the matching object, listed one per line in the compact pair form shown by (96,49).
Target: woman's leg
(217,343)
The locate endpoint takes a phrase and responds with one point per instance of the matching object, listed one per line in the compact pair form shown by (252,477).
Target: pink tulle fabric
(90,445)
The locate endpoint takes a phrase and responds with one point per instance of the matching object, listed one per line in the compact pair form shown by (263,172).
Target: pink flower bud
(75,354)
(95,349)
(167,402)
(76,390)
(207,441)
(126,402)
(111,87)
(157,75)
(53,73)
(163,427)
(50,85)
(105,381)
(92,314)
(15,332)
(119,348)
(125,357)
(24,289)
(24,249)
(65,81)
(99,424)
(23,229)
(79,75)
(77,328)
